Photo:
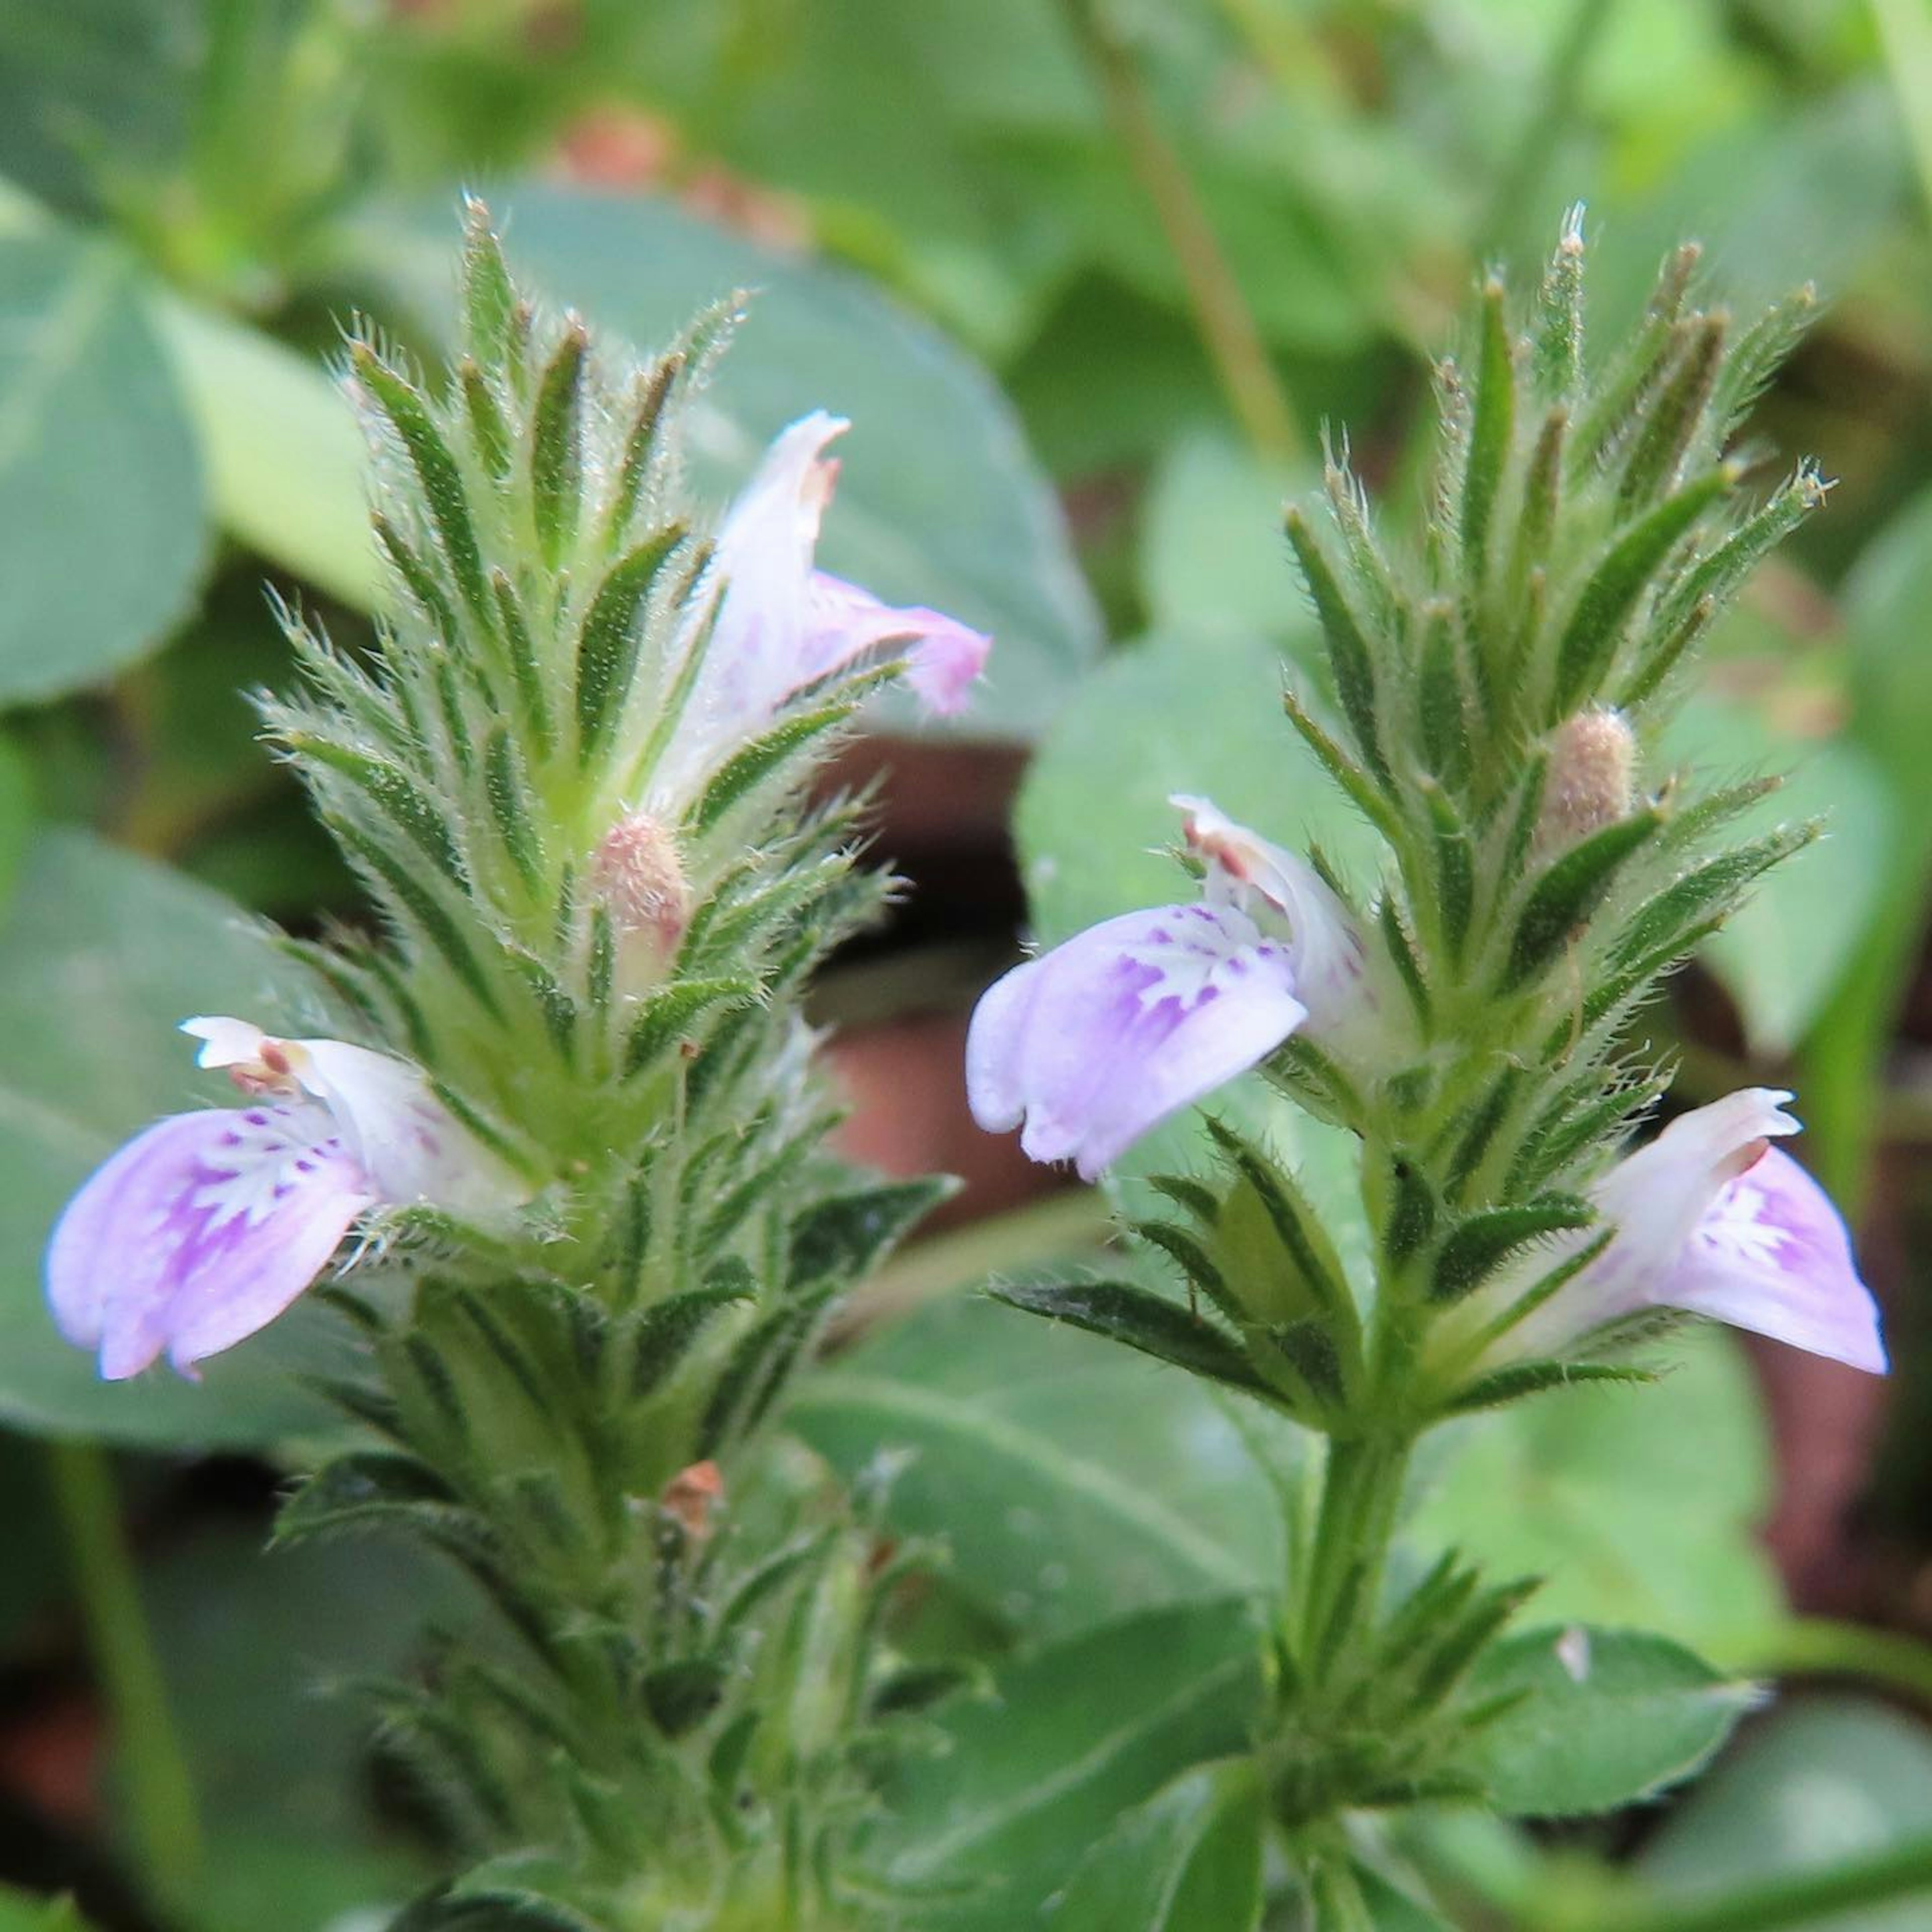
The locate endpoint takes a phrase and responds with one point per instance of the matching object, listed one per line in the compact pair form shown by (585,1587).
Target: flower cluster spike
(575,1117)
(1492,708)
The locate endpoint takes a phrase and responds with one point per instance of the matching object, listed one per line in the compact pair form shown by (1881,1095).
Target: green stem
(1555,104)
(163,1819)
(1905,32)
(1819,1646)
(1228,328)
(1799,1899)
(1361,1491)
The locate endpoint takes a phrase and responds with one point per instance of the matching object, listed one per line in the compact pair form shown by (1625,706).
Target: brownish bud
(635,871)
(1592,775)
(690,1497)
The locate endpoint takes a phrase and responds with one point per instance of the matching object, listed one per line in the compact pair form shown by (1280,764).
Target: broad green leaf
(938,504)
(1639,1506)
(1072,1479)
(1179,711)
(1606,1718)
(1028,1776)
(1783,956)
(101,955)
(1189,1858)
(1818,1781)
(287,467)
(1212,557)
(102,525)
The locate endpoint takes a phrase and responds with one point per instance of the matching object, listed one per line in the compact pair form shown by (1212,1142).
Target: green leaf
(263,1655)
(1142,1319)
(1817,1782)
(102,526)
(23,1912)
(845,1237)
(1028,1778)
(286,465)
(938,503)
(1189,1858)
(101,955)
(1604,1718)
(1639,1506)
(1783,956)
(1057,1516)
(1212,559)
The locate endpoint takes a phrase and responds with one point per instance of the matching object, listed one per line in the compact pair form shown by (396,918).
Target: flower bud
(636,874)
(1592,764)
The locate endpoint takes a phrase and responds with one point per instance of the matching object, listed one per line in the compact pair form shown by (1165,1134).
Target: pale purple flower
(782,625)
(1093,1044)
(206,1227)
(1709,1217)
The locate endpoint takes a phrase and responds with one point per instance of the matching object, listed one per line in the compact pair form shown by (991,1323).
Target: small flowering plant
(568,1119)
(1492,708)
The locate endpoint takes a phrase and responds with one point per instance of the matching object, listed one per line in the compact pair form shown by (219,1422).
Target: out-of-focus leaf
(1885,599)
(1072,1479)
(91,80)
(1189,1858)
(16,814)
(1638,1505)
(286,464)
(1816,1782)
(1605,1717)
(103,524)
(101,955)
(1787,198)
(939,503)
(1783,955)
(1031,1773)
(262,1652)
(1213,558)
(22,1912)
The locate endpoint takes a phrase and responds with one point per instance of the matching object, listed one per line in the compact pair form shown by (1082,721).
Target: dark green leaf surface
(1072,1479)
(1038,1769)
(1189,1859)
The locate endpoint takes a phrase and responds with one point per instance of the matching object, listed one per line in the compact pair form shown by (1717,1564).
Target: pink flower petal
(1770,1254)
(1710,1218)
(1105,1037)
(199,1231)
(781,626)
(944,658)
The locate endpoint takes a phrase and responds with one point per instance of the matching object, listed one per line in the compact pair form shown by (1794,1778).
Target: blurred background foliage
(1094,278)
